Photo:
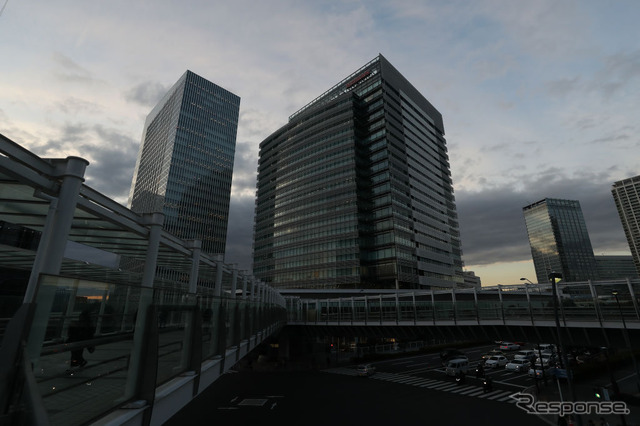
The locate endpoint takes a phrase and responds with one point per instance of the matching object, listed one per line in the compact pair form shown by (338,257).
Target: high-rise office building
(626,194)
(185,163)
(355,191)
(615,267)
(559,240)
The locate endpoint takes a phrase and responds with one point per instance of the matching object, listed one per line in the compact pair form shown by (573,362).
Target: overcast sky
(539,99)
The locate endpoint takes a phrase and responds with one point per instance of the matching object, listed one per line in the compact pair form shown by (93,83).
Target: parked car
(496,361)
(527,354)
(509,346)
(546,347)
(366,370)
(456,366)
(547,353)
(518,365)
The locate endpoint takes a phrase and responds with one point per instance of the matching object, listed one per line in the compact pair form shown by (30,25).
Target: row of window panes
(315,260)
(327,167)
(318,274)
(314,248)
(342,230)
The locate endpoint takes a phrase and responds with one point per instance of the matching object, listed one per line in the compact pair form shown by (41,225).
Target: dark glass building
(626,194)
(185,163)
(355,191)
(559,240)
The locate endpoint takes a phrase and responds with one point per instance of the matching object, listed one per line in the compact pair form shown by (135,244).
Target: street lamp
(564,360)
(526,279)
(626,338)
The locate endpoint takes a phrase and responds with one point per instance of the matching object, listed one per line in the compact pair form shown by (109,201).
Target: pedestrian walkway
(499,395)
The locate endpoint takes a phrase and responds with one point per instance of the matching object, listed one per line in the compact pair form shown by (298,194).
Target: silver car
(366,370)
(496,361)
(518,365)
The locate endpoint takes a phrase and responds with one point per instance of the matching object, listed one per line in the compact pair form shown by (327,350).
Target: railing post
(633,298)
(217,290)
(366,311)
(526,290)
(596,304)
(353,310)
(559,294)
(103,303)
(433,307)
(501,303)
(475,300)
(453,305)
(142,365)
(196,250)
(415,308)
(244,285)
(50,253)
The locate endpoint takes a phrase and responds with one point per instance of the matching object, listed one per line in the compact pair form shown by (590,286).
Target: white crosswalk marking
(490,394)
(428,382)
(470,390)
(445,386)
(464,388)
(501,394)
(506,398)
(474,389)
(477,391)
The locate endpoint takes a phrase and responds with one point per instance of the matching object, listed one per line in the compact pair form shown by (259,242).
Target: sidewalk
(584,391)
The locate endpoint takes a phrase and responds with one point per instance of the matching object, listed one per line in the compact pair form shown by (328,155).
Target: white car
(508,346)
(527,354)
(518,365)
(496,361)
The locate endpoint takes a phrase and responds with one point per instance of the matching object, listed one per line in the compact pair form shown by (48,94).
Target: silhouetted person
(487,385)
(80,330)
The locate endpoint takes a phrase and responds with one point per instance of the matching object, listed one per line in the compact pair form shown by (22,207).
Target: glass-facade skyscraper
(355,191)
(185,162)
(626,194)
(559,240)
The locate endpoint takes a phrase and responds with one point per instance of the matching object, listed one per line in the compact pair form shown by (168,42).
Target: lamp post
(563,355)
(526,279)
(626,338)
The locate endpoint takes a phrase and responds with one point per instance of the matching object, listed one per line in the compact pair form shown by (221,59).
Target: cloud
(68,70)
(111,154)
(147,93)
(245,170)
(240,232)
(73,106)
(492,224)
(117,154)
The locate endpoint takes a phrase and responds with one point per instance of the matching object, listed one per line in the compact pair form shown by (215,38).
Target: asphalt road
(338,397)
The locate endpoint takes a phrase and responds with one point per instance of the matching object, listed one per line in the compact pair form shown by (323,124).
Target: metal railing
(106,348)
(591,301)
